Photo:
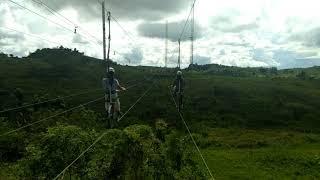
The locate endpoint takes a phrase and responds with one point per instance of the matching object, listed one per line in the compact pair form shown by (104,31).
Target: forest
(249,123)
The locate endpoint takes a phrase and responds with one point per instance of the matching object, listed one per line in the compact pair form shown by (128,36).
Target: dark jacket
(179,82)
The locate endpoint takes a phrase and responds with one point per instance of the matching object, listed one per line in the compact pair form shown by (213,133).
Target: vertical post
(192,35)
(104,32)
(166,44)
(109,38)
(179,57)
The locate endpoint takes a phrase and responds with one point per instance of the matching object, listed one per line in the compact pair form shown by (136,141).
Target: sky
(246,33)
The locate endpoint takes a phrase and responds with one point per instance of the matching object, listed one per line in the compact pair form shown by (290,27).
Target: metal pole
(192,35)
(179,57)
(109,38)
(166,51)
(104,32)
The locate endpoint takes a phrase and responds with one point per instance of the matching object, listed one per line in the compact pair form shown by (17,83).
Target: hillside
(251,123)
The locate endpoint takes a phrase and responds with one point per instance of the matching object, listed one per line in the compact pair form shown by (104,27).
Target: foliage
(247,121)
(58,147)
(110,156)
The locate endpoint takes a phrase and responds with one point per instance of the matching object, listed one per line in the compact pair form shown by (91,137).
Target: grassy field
(250,123)
(263,154)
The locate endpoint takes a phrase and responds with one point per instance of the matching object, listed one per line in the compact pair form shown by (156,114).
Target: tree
(179,155)
(58,147)
(111,156)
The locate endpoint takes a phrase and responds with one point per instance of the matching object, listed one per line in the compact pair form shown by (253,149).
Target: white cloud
(240,33)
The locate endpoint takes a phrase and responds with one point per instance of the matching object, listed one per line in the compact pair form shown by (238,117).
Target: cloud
(157,30)
(9,38)
(310,38)
(222,52)
(124,9)
(135,56)
(231,23)
(250,33)
(201,60)
(289,59)
(265,56)
(79,40)
(243,27)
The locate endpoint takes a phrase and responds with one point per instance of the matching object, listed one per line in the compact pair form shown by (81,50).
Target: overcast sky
(277,33)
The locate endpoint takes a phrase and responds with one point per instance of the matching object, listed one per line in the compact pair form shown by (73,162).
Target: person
(178,87)
(111,86)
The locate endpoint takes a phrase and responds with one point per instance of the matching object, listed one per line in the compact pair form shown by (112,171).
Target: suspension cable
(37,122)
(188,129)
(64,97)
(68,21)
(40,15)
(102,135)
(50,117)
(59,98)
(31,35)
(46,18)
(146,92)
(122,28)
(183,30)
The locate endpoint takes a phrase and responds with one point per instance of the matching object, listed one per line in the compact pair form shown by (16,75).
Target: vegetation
(250,123)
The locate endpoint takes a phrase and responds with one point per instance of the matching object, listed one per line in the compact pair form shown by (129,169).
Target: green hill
(251,123)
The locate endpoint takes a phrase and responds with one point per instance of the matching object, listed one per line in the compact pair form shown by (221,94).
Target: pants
(114,100)
(175,93)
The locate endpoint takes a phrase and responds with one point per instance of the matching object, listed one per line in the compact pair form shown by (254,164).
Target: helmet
(111,70)
(179,73)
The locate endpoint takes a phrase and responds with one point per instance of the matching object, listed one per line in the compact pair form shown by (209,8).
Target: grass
(262,120)
(263,154)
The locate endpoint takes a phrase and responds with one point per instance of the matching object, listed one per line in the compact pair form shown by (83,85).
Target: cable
(132,86)
(67,29)
(194,142)
(65,97)
(130,36)
(187,19)
(135,103)
(123,29)
(101,136)
(31,35)
(127,34)
(55,13)
(50,117)
(37,122)
(40,15)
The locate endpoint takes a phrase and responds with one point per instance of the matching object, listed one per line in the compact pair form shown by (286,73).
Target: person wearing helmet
(111,86)
(178,86)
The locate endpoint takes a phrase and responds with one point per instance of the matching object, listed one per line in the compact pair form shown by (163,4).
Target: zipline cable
(122,28)
(68,21)
(31,35)
(64,97)
(53,12)
(188,129)
(183,30)
(135,103)
(45,119)
(38,14)
(102,135)
(50,117)
(51,100)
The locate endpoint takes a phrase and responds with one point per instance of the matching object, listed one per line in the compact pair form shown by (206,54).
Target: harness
(112,95)
(179,86)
